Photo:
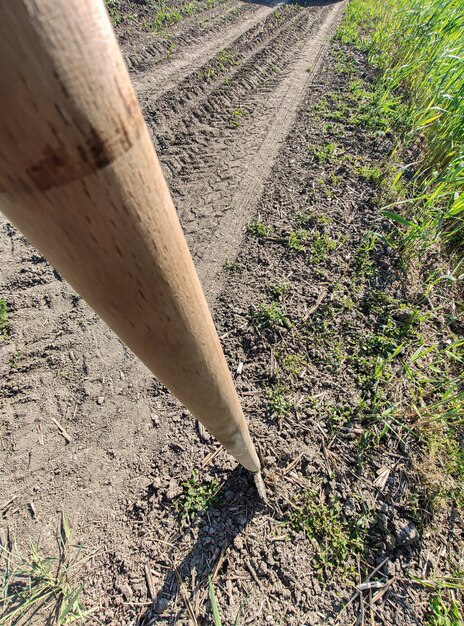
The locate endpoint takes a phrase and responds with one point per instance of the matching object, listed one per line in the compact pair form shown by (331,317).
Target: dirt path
(220,108)
(218,136)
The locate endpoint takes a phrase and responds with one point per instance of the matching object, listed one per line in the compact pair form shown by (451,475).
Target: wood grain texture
(80,178)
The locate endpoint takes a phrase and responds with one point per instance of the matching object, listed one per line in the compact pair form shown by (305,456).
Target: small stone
(100,400)
(229,495)
(156,483)
(406,534)
(389,569)
(173,490)
(404,447)
(390,542)
(126,591)
(242,519)
(161,604)
(286,593)
(238,543)
(349,508)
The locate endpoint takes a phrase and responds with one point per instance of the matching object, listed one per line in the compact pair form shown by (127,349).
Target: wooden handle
(80,178)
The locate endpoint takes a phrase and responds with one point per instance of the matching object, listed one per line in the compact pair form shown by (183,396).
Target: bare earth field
(233,93)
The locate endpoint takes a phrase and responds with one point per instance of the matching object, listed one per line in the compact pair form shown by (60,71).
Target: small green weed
(232,266)
(115,14)
(164,17)
(324,153)
(269,316)
(196,498)
(226,58)
(363,255)
(14,359)
(320,246)
(206,74)
(296,240)
(3,320)
(305,219)
(371,174)
(334,538)
(277,290)
(258,228)
(292,365)
(170,51)
(189,8)
(277,403)
(236,117)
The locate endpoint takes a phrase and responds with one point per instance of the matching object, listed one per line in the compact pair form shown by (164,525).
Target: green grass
(418,49)
(45,587)
(445,612)
(216,616)
(258,228)
(3,320)
(445,607)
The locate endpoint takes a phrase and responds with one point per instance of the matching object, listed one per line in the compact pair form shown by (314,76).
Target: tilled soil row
(217,138)
(192,37)
(168,68)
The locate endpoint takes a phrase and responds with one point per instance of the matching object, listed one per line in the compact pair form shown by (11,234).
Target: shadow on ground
(215,531)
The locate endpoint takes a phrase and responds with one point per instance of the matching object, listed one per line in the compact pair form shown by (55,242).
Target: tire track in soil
(217,173)
(167,75)
(146,50)
(282,109)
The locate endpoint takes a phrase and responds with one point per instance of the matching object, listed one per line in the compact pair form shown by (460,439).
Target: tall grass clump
(38,589)
(418,46)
